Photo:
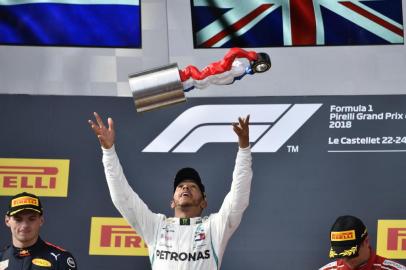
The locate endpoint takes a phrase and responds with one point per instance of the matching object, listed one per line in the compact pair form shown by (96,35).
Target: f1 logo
(392,239)
(271,125)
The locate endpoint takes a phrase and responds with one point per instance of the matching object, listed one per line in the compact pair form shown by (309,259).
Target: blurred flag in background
(93,23)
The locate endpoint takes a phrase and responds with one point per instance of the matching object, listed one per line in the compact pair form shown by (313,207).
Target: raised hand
(242,130)
(105,135)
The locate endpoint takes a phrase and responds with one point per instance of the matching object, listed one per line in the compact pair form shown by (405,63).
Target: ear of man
(366,241)
(6,220)
(203,203)
(172,204)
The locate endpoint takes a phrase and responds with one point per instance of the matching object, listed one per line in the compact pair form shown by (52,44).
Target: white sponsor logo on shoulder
(71,262)
(271,125)
(55,255)
(393,264)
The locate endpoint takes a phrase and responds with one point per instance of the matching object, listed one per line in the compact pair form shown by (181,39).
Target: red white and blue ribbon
(232,67)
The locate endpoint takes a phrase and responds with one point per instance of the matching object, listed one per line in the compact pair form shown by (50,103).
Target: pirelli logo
(24,201)
(343,236)
(392,239)
(114,236)
(43,177)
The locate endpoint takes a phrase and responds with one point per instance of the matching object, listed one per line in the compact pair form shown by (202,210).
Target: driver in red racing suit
(350,244)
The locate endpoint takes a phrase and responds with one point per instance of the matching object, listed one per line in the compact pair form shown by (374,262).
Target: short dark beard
(185,206)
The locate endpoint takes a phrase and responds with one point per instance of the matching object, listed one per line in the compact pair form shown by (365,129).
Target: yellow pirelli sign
(113,236)
(391,240)
(43,177)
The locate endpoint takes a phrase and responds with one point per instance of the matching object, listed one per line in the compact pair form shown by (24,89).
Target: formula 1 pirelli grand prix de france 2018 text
(359,125)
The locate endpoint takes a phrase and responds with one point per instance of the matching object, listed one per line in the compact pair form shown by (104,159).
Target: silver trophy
(166,85)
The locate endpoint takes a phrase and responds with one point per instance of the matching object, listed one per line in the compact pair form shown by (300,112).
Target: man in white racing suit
(187,240)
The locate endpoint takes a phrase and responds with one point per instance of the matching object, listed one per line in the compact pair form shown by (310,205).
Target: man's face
(361,258)
(25,227)
(187,193)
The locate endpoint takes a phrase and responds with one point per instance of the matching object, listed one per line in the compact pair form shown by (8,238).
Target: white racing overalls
(176,243)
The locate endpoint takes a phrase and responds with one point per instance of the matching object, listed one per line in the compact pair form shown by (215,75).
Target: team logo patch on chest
(167,235)
(199,238)
(41,262)
(23,253)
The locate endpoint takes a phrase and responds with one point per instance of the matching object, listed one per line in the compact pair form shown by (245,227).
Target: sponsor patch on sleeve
(71,262)
(41,262)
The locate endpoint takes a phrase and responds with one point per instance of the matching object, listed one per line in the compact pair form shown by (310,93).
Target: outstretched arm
(237,199)
(226,221)
(124,198)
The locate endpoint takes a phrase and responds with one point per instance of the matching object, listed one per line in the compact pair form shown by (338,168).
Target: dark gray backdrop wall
(297,191)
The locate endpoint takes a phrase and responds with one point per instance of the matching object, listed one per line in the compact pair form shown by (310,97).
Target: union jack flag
(274,23)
